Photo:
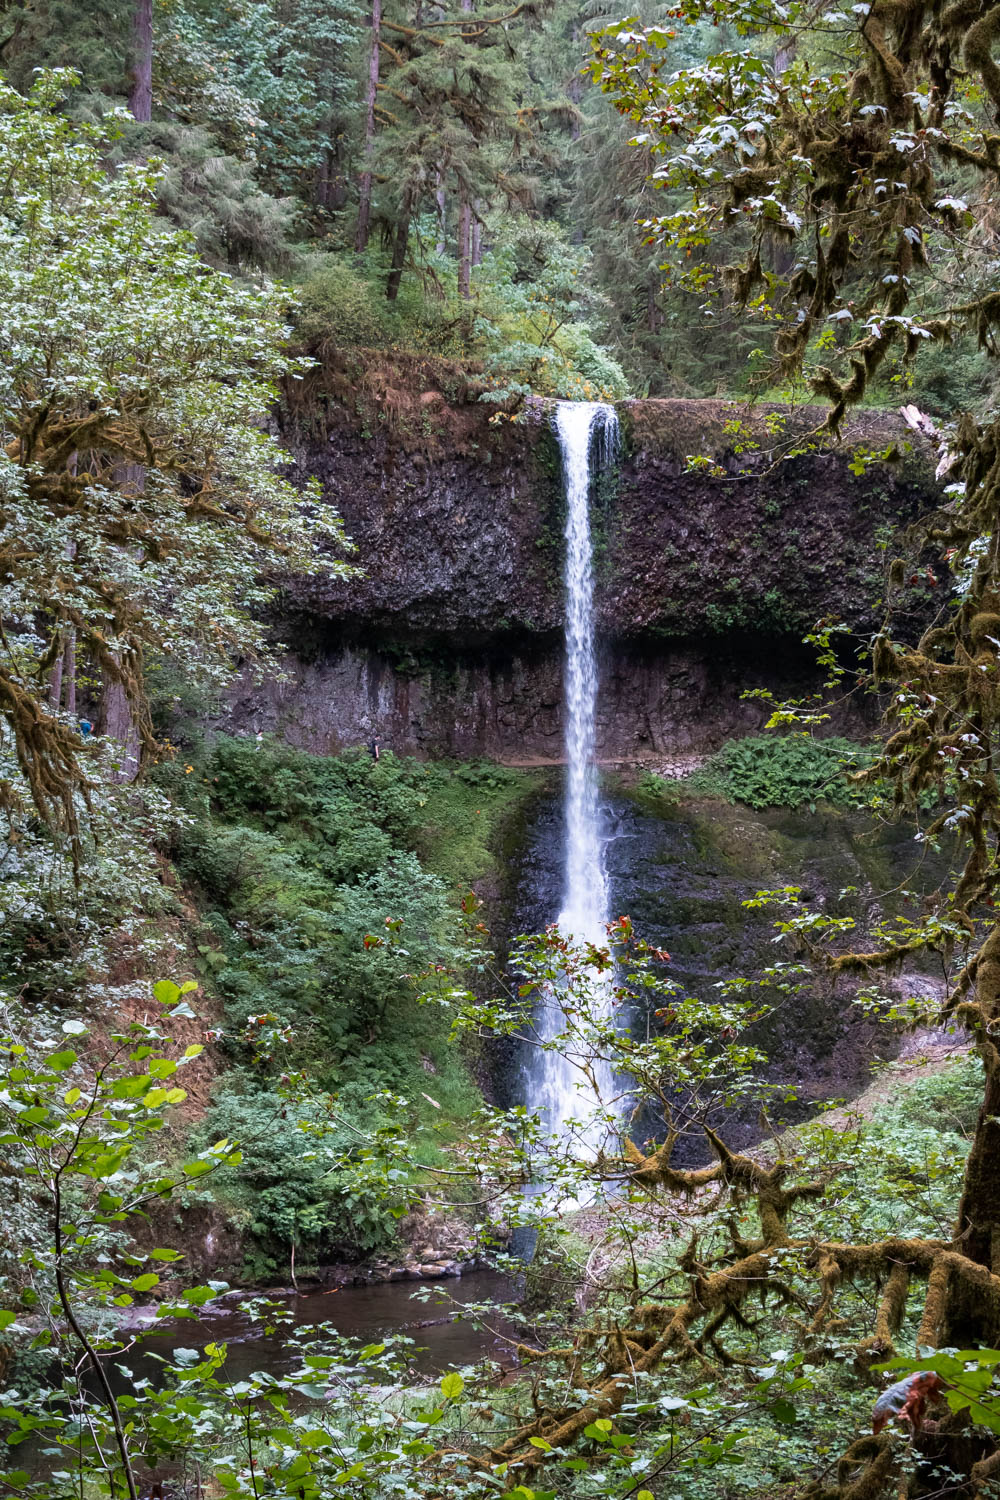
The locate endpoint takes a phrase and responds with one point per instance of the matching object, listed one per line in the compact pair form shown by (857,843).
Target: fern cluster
(789,770)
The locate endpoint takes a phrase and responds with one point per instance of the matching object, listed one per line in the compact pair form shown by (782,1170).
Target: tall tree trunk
(441,200)
(365,185)
(399,244)
(476,255)
(654,317)
(63,677)
(141,98)
(331,187)
(322,190)
(114,717)
(64,667)
(55,681)
(575,89)
(977,1231)
(69,671)
(116,723)
(464,242)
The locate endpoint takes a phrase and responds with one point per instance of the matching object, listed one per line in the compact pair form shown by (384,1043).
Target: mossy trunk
(977,1232)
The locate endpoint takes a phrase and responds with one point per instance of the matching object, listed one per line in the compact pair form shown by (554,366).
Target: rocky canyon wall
(449,639)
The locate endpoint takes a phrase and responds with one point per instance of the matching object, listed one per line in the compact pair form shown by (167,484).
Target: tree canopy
(142,493)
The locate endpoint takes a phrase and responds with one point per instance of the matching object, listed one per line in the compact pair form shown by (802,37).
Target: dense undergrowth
(772,770)
(299,866)
(531,322)
(895,1169)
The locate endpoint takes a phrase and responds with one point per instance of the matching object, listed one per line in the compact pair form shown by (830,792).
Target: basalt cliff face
(449,640)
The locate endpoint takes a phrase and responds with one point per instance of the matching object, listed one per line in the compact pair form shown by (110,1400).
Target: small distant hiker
(373,749)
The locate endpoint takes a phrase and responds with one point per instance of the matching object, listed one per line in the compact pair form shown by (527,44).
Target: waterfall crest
(588,437)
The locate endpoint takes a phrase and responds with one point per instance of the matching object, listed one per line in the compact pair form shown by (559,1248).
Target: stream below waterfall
(441,1338)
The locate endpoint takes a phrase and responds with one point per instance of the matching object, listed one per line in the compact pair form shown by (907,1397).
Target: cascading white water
(558,1087)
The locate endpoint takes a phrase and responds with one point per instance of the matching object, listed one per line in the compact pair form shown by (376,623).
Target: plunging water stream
(588,438)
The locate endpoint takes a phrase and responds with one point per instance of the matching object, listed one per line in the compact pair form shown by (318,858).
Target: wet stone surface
(682,872)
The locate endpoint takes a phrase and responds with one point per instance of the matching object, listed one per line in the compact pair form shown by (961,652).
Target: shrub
(297,862)
(788,770)
(302,1178)
(340,305)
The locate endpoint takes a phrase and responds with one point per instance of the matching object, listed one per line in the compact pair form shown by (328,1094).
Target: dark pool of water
(366,1313)
(442,1336)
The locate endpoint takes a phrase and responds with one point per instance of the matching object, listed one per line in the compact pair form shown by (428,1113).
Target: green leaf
(60,1061)
(452,1386)
(595,1433)
(197,1296)
(166,992)
(146,1282)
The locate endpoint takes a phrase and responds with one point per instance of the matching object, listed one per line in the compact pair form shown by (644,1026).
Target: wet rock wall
(448,641)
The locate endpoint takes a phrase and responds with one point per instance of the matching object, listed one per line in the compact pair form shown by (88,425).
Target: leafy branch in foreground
(858,191)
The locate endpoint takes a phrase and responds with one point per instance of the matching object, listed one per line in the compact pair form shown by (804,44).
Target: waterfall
(585,430)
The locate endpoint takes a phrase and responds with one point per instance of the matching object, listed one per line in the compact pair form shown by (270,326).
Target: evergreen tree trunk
(117,723)
(399,244)
(442,214)
(654,317)
(69,671)
(575,89)
(141,97)
(464,243)
(365,186)
(476,255)
(64,667)
(55,681)
(115,714)
(63,677)
(977,1231)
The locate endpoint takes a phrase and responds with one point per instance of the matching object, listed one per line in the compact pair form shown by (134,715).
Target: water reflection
(442,1337)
